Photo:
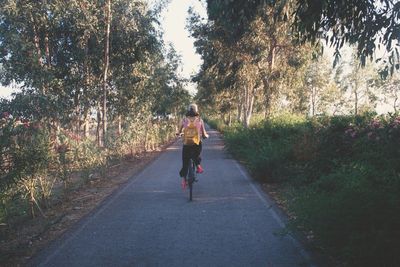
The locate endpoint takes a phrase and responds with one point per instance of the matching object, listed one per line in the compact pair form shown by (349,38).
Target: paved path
(150,222)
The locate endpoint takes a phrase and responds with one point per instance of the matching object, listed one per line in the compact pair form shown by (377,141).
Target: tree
(364,23)
(390,89)
(58,44)
(241,54)
(316,80)
(106,63)
(82,59)
(358,83)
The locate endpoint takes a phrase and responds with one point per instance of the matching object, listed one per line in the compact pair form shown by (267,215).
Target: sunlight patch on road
(173,148)
(214,147)
(152,191)
(216,199)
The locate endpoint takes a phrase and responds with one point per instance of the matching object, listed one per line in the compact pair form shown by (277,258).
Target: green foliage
(34,160)
(216,124)
(26,158)
(341,177)
(355,22)
(25,149)
(266,144)
(87,156)
(55,52)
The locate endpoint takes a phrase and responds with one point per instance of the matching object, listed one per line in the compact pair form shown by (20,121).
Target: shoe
(199,169)
(183,183)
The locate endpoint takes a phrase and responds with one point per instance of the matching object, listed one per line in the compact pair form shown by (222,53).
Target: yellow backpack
(191,134)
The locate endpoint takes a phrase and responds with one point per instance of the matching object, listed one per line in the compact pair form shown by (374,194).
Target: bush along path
(338,177)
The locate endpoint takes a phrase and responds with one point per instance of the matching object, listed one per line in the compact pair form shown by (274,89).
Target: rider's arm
(203,130)
(180,128)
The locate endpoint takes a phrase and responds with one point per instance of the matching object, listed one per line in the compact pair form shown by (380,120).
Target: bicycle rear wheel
(191,178)
(190,191)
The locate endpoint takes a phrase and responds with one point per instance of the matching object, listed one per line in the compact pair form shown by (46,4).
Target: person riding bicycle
(193,129)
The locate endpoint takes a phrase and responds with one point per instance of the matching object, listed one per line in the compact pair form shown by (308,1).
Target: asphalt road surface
(150,222)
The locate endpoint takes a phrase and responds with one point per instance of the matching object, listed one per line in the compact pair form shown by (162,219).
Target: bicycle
(191,174)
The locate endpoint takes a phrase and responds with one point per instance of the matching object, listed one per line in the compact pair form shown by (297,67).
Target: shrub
(341,177)
(33,158)
(218,124)
(26,156)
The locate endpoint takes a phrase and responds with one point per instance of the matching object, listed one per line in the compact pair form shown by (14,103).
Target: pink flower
(36,126)
(373,136)
(396,123)
(351,132)
(348,131)
(62,148)
(5,115)
(376,124)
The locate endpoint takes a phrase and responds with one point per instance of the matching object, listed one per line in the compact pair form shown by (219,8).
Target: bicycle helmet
(192,110)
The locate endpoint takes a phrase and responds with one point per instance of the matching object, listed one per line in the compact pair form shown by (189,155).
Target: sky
(174,24)
(5,91)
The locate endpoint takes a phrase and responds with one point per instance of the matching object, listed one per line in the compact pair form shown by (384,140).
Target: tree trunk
(246,107)
(249,96)
(86,125)
(146,137)
(267,103)
(249,111)
(119,119)
(56,125)
(239,114)
(356,102)
(313,101)
(265,81)
(106,65)
(271,55)
(77,111)
(98,132)
(47,50)
(36,41)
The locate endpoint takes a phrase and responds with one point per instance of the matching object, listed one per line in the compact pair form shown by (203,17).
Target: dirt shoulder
(27,237)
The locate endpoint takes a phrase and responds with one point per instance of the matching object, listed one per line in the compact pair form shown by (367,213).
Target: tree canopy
(86,57)
(365,23)
(258,53)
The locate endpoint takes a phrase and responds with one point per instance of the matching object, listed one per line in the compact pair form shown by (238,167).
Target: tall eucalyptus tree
(242,52)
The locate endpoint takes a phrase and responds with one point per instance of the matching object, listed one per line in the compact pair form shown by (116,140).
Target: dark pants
(190,152)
